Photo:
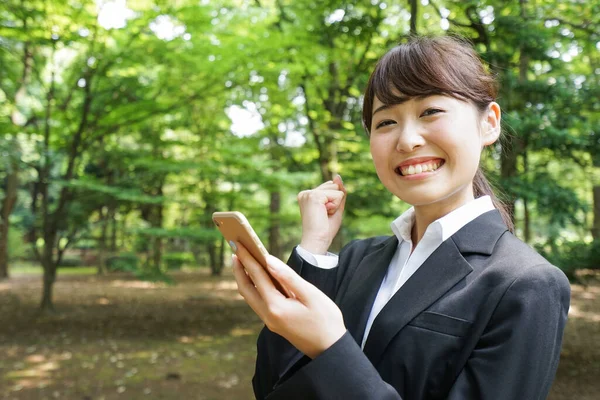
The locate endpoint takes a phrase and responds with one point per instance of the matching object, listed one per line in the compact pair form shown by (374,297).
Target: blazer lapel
(357,300)
(440,272)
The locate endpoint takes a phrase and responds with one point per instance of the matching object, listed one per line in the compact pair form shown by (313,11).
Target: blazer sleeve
(275,355)
(324,279)
(517,355)
(340,372)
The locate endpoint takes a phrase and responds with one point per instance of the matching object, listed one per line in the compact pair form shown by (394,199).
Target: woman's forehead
(400,99)
(393,97)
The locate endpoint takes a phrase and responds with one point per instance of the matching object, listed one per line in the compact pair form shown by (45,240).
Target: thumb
(340,205)
(289,279)
(338,180)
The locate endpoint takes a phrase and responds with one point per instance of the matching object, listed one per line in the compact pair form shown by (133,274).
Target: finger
(265,287)
(342,188)
(322,196)
(246,288)
(334,197)
(303,290)
(338,180)
(326,185)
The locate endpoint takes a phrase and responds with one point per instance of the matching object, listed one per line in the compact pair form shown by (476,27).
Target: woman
(453,305)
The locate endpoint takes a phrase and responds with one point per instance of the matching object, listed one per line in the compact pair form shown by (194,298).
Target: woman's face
(426,150)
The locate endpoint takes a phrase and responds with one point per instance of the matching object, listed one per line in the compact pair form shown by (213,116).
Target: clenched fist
(321,209)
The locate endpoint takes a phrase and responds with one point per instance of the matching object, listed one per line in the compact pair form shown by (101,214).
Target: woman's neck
(428,213)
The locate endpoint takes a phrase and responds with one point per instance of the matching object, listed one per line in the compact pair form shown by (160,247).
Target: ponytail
(481,187)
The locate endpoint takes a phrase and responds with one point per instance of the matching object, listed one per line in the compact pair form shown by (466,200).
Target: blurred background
(125,124)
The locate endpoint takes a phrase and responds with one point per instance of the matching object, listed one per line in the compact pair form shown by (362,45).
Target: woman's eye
(431,111)
(385,123)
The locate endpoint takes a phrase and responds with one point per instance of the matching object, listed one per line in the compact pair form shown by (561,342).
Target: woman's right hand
(321,209)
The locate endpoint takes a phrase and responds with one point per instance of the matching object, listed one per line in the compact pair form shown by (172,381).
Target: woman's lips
(411,168)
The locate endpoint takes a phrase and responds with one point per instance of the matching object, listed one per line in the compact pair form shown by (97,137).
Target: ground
(117,338)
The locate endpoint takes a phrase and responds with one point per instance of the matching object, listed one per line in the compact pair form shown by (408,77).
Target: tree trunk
(212,256)
(217,262)
(221,263)
(158,243)
(50,266)
(4,249)
(157,253)
(8,203)
(596,225)
(101,260)
(48,222)
(526,215)
(526,222)
(275,222)
(326,174)
(49,278)
(413,16)
(114,227)
(508,170)
(122,229)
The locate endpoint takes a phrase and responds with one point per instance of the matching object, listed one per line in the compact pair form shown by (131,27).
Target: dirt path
(117,338)
(578,376)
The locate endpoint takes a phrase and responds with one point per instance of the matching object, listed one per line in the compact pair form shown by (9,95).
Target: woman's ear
(491,124)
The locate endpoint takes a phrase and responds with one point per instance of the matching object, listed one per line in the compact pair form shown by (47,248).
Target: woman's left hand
(310,320)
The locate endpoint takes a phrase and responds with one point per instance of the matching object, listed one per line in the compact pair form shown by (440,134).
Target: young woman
(452,305)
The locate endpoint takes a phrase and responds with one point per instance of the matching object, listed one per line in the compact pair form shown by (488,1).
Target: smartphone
(235,228)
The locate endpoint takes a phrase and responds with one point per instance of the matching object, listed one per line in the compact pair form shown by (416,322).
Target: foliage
(573,256)
(19,249)
(124,262)
(174,261)
(126,126)
(69,262)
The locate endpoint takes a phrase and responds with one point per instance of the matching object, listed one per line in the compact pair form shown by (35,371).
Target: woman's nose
(409,139)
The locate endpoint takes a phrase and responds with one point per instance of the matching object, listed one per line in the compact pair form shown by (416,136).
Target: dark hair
(427,66)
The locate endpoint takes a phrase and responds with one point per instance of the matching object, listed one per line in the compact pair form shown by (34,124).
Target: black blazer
(482,318)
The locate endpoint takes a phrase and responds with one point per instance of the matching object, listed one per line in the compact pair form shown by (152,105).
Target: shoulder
(525,269)
(510,244)
(519,256)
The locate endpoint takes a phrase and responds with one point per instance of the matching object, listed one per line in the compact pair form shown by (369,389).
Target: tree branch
(60,251)
(475,23)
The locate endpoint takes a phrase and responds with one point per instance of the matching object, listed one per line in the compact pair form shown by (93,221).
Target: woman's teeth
(419,168)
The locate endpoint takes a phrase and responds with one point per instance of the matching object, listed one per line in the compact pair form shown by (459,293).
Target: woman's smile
(419,168)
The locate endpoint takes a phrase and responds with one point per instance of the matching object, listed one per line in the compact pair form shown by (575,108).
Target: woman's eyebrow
(400,100)
(381,108)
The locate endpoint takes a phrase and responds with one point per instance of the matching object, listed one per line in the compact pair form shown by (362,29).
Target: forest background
(125,124)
